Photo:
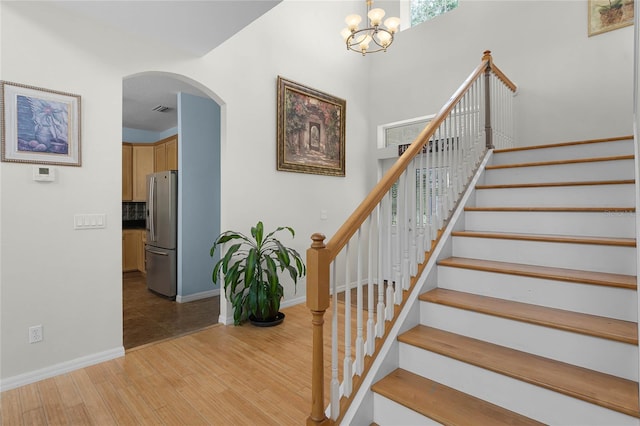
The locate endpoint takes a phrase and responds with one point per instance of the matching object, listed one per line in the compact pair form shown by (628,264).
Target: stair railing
(387,241)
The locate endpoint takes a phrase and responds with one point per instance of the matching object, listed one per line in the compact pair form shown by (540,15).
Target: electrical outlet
(35,334)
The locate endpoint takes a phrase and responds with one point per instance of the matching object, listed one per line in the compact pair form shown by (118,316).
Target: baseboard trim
(61,368)
(292,302)
(198,296)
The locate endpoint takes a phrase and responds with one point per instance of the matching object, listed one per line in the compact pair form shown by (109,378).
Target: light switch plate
(89,221)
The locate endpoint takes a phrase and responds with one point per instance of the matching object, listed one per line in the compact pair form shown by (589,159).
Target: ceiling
(195,27)
(140,94)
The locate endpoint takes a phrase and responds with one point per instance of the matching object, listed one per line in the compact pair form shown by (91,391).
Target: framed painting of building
(39,126)
(310,130)
(607,15)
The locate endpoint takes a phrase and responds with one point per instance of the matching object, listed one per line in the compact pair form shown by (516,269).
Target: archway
(193,113)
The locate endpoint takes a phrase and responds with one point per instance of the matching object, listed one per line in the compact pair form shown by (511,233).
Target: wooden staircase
(534,317)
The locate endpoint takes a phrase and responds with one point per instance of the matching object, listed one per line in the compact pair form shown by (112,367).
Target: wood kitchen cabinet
(166,154)
(130,243)
(142,166)
(127,177)
(133,241)
(139,160)
(172,153)
(137,163)
(160,157)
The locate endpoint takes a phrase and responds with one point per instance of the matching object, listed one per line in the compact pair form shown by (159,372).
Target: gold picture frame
(311,130)
(608,15)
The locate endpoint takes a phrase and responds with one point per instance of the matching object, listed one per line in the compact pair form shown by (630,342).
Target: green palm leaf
(250,268)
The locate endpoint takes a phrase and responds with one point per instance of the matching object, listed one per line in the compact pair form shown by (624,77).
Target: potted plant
(251,269)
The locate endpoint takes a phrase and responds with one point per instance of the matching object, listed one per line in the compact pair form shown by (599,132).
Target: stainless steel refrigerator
(162,232)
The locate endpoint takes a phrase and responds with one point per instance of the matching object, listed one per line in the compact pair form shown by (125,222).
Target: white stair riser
(592,150)
(588,257)
(389,413)
(618,303)
(594,224)
(607,356)
(558,196)
(575,172)
(529,400)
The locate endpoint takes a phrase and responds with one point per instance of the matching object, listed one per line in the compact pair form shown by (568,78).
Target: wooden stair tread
(534,271)
(560,162)
(442,403)
(591,325)
(557,184)
(594,387)
(573,239)
(551,209)
(561,144)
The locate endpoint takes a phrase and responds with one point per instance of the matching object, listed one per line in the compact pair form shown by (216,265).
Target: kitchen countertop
(133,224)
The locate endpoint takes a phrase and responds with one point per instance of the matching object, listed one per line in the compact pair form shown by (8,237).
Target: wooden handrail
(498,72)
(320,256)
(362,212)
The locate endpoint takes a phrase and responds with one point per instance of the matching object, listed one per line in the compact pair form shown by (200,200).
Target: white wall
(571,86)
(70,281)
(308,50)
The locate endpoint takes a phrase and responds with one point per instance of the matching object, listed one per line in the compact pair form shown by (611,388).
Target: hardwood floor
(223,375)
(148,317)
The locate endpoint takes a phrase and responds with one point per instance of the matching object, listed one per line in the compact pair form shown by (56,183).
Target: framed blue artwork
(39,126)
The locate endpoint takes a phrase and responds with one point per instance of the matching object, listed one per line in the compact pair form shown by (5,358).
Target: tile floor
(148,317)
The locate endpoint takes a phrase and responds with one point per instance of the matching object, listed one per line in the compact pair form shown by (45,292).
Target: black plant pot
(269,322)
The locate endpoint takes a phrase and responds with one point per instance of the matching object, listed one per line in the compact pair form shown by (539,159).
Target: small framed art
(39,126)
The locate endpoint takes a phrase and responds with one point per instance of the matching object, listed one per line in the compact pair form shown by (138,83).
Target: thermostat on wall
(44,173)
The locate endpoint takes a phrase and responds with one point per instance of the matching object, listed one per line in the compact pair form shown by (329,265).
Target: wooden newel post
(487,99)
(317,302)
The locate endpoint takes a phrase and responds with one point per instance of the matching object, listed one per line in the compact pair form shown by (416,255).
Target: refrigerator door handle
(152,212)
(158,252)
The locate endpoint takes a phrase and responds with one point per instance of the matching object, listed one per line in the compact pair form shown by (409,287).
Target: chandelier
(360,40)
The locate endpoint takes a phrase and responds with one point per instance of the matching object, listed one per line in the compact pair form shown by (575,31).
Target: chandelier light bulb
(384,38)
(353,21)
(375,15)
(364,44)
(345,33)
(392,24)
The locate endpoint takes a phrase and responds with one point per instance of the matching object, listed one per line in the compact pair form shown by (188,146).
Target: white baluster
(405,233)
(391,269)
(412,223)
(428,168)
(420,238)
(435,188)
(446,168)
(335,384)
(459,152)
(380,310)
(346,371)
(468,143)
(472,128)
(450,167)
(371,334)
(442,134)
(359,311)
